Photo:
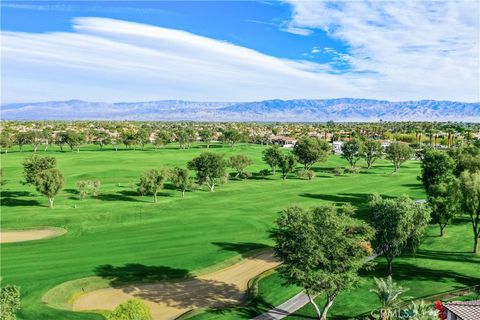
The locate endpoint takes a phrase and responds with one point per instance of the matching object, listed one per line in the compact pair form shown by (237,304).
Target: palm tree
(421,311)
(388,292)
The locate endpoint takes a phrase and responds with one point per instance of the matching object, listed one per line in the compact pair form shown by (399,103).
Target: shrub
(309,174)
(9,302)
(338,171)
(353,170)
(88,187)
(264,172)
(132,309)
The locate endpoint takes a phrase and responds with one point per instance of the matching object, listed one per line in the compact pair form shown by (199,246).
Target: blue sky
(239,50)
(251,24)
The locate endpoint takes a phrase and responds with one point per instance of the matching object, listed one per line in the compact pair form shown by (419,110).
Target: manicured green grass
(173,238)
(440,265)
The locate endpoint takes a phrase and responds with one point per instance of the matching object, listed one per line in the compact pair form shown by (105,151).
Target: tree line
(134,135)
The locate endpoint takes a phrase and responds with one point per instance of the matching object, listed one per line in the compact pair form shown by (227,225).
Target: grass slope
(126,236)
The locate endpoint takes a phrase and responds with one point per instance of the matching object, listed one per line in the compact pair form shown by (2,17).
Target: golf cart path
(170,299)
(9,236)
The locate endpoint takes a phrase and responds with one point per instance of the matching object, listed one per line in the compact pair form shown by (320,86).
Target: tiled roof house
(462,310)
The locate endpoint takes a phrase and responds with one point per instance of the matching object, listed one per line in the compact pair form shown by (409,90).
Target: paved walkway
(286,308)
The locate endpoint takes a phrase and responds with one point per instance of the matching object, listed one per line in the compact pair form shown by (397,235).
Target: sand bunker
(170,299)
(8,236)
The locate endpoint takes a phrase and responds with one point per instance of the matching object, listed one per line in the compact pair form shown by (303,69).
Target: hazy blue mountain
(345,109)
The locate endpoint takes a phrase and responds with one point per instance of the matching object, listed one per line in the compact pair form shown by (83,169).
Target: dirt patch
(170,299)
(9,236)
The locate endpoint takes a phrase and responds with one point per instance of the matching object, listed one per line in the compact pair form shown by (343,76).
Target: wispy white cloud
(112,60)
(410,47)
(106,59)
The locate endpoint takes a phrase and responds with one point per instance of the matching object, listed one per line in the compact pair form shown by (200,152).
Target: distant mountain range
(344,109)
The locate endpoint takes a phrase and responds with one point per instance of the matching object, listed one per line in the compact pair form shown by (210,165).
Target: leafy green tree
(185,137)
(210,168)
(287,165)
(22,139)
(352,151)
(33,165)
(438,179)
(231,136)
(133,309)
(9,302)
(272,156)
(162,138)
(151,183)
(372,152)
(310,150)
(468,196)
(443,204)
(49,182)
(321,251)
(388,293)
(206,135)
(466,158)
(35,139)
(101,138)
(240,162)
(74,139)
(47,136)
(437,167)
(6,140)
(181,179)
(398,153)
(61,139)
(129,138)
(399,224)
(142,137)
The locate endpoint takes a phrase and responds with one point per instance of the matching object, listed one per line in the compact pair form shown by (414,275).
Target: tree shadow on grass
(354,198)
(417,186)
(255,306)
(243,248)
(120,196)
(139,273)
(403,271)
(448,256)
(367,171)
(258,176)
(72,191)
(11,199)
(12,194)
(75,194)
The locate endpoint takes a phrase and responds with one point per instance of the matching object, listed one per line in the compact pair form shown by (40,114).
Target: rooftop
(465,310)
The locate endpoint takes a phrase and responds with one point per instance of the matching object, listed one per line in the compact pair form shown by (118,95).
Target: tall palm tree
(388,292)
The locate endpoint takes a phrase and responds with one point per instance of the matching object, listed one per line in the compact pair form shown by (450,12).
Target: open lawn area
(123,237)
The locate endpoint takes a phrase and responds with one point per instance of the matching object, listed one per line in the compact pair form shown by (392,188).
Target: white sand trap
(8,236)
(170,299)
